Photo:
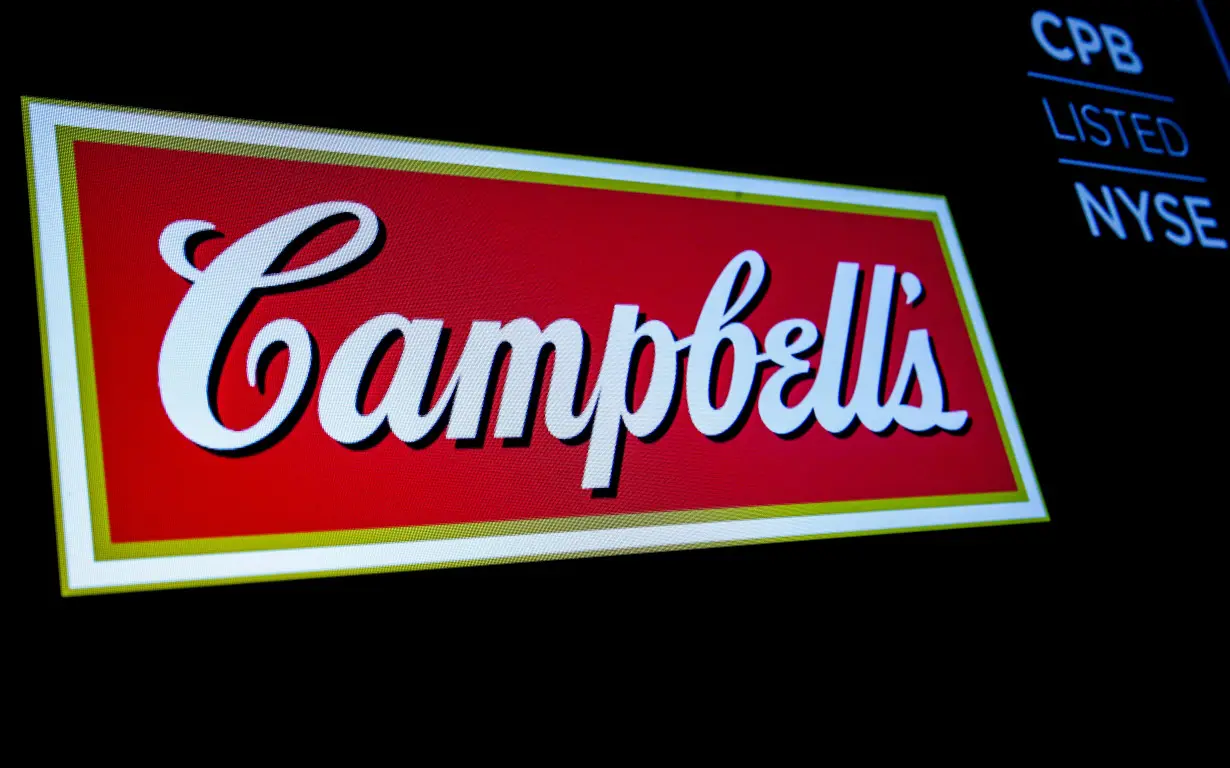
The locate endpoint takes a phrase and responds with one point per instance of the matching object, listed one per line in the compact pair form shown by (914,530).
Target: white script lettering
(196,343)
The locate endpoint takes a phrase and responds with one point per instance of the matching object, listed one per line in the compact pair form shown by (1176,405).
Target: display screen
(278,351)
(389,353)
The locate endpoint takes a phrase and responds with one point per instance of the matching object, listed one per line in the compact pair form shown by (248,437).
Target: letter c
(197,340)
(1041,19)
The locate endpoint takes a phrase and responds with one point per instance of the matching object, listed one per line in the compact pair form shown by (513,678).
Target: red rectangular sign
(297,352)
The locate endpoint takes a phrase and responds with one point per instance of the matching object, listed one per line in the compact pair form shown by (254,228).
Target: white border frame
(85,572)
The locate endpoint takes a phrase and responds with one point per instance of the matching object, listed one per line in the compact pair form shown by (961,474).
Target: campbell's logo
(280,353)
(193,352)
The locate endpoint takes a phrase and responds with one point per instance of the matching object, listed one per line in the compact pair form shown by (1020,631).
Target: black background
(1111,349)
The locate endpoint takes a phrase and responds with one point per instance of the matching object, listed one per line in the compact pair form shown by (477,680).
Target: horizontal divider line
(1126,169)
(1100,87)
